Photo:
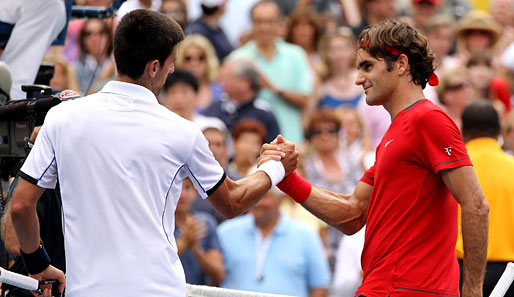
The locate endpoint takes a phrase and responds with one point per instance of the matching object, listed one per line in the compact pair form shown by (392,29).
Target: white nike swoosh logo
(388,142)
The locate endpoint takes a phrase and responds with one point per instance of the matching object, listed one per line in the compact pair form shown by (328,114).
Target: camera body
(17,120)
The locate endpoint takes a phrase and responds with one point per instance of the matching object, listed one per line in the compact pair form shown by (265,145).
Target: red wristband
(296,187)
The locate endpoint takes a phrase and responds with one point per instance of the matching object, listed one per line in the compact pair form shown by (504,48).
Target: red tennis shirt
(412,218)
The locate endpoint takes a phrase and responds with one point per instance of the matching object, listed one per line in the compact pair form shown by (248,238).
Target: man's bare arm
(463,184)
(235,197)
(9,234)
(346,212)
(24,215)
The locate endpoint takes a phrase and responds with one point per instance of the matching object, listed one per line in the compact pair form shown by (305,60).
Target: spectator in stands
(209,26)
(181,91)
(268,252)
(422,11)
(503,13)
(477,31)
(494,170)
(326,165)
(36,25)
(455,92)
(338,71)
(197,242)
(196,54)
(347,275)
(241,81)
(248,136)
(303,29)
(439,31)
(286,75)
(356,141)
(96,45)
(375,11)
(487,83)
(177,10)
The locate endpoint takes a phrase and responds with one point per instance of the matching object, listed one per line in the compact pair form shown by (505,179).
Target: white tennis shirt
(120,158)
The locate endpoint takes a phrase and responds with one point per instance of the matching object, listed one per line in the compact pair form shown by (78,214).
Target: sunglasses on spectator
(197,58)
(324,131)
(458,86)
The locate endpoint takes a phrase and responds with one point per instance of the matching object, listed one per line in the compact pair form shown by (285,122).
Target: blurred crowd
(249,70)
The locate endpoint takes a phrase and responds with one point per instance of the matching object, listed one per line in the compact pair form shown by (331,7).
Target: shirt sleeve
(441,145)
(369,176)
(40,167)
(205,172)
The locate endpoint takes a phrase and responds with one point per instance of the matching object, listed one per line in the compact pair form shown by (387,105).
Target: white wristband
(275,171)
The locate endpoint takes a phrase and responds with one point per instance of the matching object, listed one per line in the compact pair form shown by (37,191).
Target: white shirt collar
(129,90)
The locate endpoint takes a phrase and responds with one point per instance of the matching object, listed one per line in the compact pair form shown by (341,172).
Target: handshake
(279,160)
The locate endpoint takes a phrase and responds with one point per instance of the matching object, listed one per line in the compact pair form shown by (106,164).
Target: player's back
(120,162)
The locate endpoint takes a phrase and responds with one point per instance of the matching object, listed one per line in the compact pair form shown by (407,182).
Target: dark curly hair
(390,39)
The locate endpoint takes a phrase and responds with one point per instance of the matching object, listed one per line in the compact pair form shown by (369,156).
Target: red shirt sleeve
(369,176)
(441,145)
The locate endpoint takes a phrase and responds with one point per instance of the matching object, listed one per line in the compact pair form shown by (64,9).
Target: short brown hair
(405,39)
(249,125)
(324,115)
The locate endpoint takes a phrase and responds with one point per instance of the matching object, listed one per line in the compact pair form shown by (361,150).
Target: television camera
(17,120)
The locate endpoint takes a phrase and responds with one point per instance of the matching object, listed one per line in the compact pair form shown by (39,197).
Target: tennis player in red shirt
(405,199)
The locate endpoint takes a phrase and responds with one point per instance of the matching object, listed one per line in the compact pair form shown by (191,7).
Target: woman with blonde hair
(338,71)
(196,55)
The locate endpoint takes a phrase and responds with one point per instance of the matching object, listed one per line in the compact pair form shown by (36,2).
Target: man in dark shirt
(209,26)
(241,81)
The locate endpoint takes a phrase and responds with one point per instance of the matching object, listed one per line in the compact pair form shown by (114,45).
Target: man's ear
(402,64)
(152,67)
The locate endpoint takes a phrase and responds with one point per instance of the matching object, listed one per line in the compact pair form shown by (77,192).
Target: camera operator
(49,215)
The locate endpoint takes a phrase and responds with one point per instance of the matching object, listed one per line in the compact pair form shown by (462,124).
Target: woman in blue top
(338,72)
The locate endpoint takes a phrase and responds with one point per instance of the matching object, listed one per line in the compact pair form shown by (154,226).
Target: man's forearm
(9,234)
(26,224)
(24,215)
(347,213)
(475,225)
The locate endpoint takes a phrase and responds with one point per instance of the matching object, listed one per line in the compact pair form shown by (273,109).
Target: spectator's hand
(50,273)
(193,231)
